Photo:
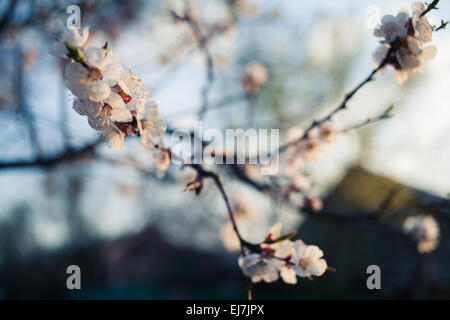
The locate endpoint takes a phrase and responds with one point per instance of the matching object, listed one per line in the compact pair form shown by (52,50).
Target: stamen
(125,97)
(304,263)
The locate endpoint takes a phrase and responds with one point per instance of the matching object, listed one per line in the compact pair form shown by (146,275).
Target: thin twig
(88,151)
(341,106)
(385,115)
(430,7)
(202,173)
(203,45)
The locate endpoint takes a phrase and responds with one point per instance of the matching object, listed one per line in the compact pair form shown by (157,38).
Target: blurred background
(66,199)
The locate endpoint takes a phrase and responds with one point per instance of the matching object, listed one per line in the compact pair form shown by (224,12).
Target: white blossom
(302,149)
(85,84)
(113,136)
(151,125)
(257,72)
(277,257)
(308,260)
(284,250)
(90,79)
(288,274)
(132,85)
(308,148)
(392,27)
(404,37)
(119,110)
(73,37)
(425,230)
(87,107)
(258,268)
(256,76)
(113,109)
(112,97)
(422,28)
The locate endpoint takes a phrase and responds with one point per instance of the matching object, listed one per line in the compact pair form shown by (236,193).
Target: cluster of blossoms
(424,230)
(403,42)
(256,75)
(303,149)
(278,256)
(112,97)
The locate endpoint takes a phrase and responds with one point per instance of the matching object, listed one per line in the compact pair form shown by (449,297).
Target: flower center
(409,27)
(125,96)
(104,115)
(128,128)
(305,262)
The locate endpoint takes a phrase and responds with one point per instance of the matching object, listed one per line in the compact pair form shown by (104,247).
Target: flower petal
(115,101)
(76,38)
(122,115)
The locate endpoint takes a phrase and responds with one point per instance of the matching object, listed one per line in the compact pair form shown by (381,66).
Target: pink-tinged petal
(76,38)
(288,275)
(95,57)
(115,101)
(429,52)
(317,268)
(99,91)
(122,115)
(113,70)
(299,249)
(275,231)
(314,252)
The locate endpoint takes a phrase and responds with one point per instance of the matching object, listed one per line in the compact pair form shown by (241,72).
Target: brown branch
(86,152)
(23,106)
(362,219)
(203,45)
(202,174)
(342,105)
(385,115)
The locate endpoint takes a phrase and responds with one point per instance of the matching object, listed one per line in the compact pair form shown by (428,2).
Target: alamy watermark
(74,280)
(236,146)
(73,21)
(374,280)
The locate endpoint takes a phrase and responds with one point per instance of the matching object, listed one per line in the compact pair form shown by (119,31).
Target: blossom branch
(86,152)
(383,116)
(343,104)
(202,174)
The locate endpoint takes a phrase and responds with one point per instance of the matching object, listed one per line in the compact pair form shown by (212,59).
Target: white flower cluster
(308,149)
(112,97)
(404,39)
(277,257)
(424,230)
